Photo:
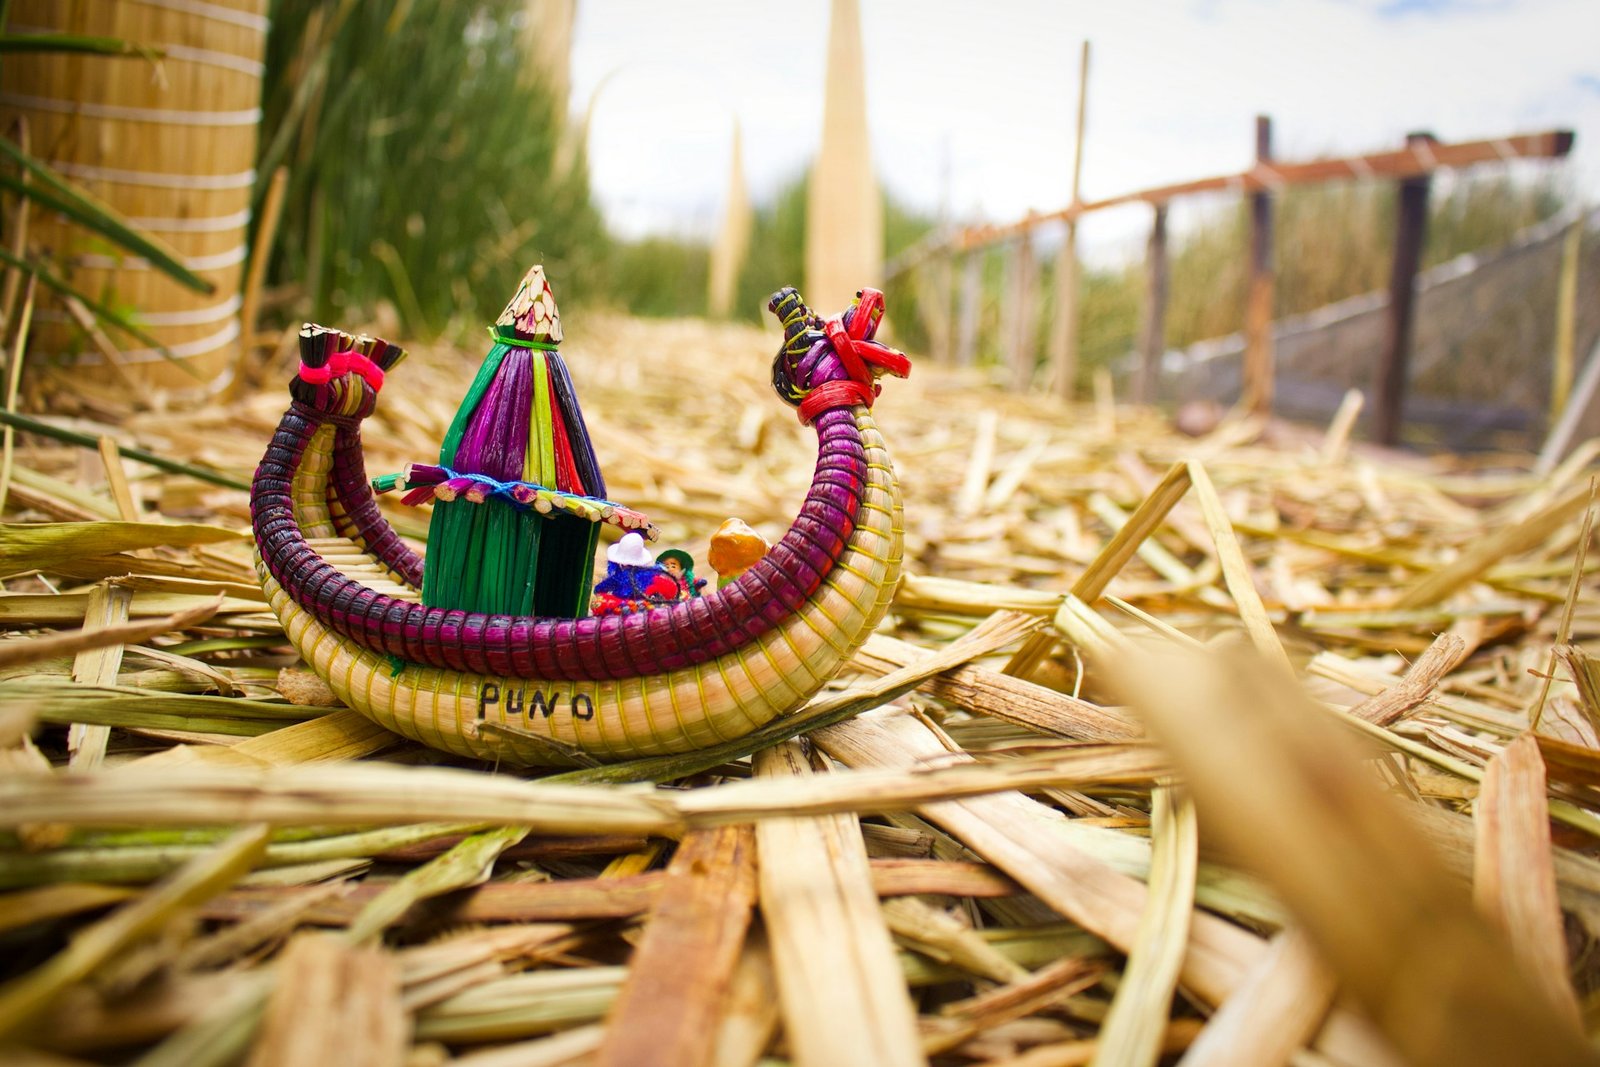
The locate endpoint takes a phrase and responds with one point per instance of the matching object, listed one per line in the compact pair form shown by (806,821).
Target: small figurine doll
(735,548)
(633,581)
(680,565)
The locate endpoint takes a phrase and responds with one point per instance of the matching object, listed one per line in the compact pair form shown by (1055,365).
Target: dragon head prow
(339,373)
(834,362)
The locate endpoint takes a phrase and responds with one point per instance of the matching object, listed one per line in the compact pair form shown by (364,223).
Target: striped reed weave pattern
(673,679)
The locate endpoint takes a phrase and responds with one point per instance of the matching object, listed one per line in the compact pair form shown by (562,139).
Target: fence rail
(1411,167)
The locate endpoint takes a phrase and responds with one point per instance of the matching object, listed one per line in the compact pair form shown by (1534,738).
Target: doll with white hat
(633,581)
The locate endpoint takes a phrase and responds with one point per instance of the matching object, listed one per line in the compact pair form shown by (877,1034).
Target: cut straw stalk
(1364,678)
(922,594)
(1235,571)
(1278,1008)
(117,480)
(569,1048)
(14,376)
(1495,547)
(1514,882)
(997,631)
(88,1023)
(1568,608)
(147,862)
(1159,559)
(226,945)
(108,609)
(1108,563)
(566,900)
(844,1000)
(339,735)
(83,440)
(944,937)
(42,546)
(184,1007)
(1143,1001)
(979,465)
(469,863)
(1565,811)
(522,1006)
(579,898)
(751,1012)
(333,1002)
(23,998)
(1023,838)
(57,901)
(1585,672)
(435,971)
(360,793)
(681,973)
(1028,993)
(43,609)
(1418,685)
(1174,1038)
(1001,696)
(57,700)
(1280,786)
(38,649)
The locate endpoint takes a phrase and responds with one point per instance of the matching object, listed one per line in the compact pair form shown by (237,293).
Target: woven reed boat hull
(542,721)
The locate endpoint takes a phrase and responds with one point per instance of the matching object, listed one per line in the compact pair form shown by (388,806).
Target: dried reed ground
(1042,903)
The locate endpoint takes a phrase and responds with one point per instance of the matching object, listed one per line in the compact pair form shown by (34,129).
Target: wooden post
(1023,355)
(943,269)
(1011,307)
(1258,376)
(1566,320)
(971,297)
(1064,330)
(1153,331)
(943,339)
(1411,228)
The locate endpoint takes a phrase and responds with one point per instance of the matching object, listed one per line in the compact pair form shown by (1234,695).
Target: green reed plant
(427,161)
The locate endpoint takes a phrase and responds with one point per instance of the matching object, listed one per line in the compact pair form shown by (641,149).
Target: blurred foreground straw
(1279,785)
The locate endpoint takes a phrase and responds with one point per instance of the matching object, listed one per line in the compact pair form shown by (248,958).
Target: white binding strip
(211,58)
(170,116)
(215,261)
(192,317)
(206,57)
(205,224)
(215,12)
(187,350)
(244,179)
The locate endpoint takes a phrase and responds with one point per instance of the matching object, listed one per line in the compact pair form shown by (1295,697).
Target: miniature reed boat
(541,690)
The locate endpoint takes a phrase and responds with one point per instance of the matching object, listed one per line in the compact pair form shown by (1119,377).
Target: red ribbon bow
(344,363)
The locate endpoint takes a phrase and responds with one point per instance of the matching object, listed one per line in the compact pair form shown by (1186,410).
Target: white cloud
(1173,91)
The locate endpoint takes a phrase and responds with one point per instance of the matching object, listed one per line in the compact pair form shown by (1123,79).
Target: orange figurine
(735,548)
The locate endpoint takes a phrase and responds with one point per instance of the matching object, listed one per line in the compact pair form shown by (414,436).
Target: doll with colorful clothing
(634,581)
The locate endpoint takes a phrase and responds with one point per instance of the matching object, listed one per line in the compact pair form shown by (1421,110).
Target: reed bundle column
(1064,331)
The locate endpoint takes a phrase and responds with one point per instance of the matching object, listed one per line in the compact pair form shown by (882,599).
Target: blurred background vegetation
(429,164)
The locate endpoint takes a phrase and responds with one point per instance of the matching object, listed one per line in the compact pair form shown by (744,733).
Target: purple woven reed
(496,439)
(348,481)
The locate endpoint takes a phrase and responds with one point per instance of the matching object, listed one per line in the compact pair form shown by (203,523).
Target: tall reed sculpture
(421,657)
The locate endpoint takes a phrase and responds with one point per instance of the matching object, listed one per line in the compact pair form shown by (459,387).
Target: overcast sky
(991,88)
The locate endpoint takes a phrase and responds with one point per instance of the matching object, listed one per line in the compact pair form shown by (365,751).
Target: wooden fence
(959,252)
(1480,374)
